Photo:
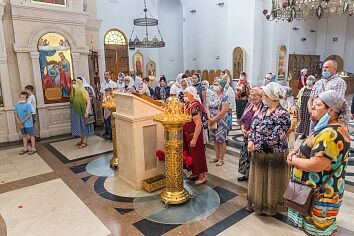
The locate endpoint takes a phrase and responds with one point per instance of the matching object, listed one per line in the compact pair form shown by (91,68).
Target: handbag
(300,197)
(89,120)
(214,126)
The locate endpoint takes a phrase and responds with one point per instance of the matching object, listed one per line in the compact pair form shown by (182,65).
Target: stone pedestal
(138,138)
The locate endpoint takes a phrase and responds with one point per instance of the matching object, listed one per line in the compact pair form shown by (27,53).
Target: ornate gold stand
(173,119)
(114,160)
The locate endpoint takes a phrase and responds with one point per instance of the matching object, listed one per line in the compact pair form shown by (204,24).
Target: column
(8,102)
(76,64)
(44,133)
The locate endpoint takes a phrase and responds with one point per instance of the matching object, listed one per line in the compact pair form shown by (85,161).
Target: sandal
(23,152)
(220,163)
(193,177)
(78,144)
(83,145)
(201,180)
(32,152)
(215,160)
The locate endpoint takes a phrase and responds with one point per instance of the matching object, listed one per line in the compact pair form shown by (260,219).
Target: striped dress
(333,143)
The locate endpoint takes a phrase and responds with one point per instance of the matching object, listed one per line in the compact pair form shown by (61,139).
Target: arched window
(55,63)
(116,52)
(115,37)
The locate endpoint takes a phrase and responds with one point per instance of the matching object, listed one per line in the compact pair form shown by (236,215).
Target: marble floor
(62,190)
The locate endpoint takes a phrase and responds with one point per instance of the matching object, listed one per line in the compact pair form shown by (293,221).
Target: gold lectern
(172,119)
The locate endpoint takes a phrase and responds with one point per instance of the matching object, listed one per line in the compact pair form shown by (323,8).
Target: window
(115,37)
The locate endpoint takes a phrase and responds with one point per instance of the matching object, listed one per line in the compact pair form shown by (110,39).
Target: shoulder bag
(300,197)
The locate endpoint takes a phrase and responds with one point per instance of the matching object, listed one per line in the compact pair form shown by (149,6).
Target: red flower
(160,155)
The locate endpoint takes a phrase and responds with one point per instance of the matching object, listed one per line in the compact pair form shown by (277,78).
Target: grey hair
(335,64)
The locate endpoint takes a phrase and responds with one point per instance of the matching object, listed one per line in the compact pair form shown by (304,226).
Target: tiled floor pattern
(54,194)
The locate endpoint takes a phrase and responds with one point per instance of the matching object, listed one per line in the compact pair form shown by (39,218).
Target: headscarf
(304,71)
(188,81)
(270,77)
(334,101)
(289,100)
(243,81)
(78,98)
(253,104)
(274,91)
(178,80)
(131,82)
(193,91)
(87,85)
(207,82)
(145,90)
(222,82)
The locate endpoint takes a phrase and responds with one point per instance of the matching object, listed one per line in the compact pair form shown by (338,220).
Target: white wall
(171,25)
(205,34)
(349,46)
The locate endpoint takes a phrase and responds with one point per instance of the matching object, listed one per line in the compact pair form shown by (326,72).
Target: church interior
(132,117)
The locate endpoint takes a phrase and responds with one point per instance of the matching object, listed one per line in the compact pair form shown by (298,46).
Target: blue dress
(78,126)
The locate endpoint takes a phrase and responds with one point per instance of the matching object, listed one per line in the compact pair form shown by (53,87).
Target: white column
(7,96)
(76,64)
(44,133)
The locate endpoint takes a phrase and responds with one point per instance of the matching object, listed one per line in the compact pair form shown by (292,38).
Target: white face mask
(309,83)
(21,101)
(185,98)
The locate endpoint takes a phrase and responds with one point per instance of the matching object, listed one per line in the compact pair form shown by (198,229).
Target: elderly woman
(289,104)
(303,98)
(176,87)
(205,84)
(322,160)
(241,94)
(185,83)
(193,142)
(129,84)
(143,89)
(268,176)
(198,86)
(80,107)
(217,115)
(253,107)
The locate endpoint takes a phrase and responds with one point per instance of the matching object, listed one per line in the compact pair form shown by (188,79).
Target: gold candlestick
(114,161)
(174,193)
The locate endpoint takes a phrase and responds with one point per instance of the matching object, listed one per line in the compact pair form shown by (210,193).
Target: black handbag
(300,197)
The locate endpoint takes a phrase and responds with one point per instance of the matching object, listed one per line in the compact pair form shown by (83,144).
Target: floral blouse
(332,143)
(242,91)
(269,132)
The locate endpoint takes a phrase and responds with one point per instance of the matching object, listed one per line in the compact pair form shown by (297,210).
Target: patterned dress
(268,175)
(333,143)
(246,121)
(304,126)
(215,104)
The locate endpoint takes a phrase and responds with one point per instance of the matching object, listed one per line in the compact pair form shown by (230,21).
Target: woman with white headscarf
(176,87)
(321,162)
(143,89)
(129,84)
(193,142)
(267,142)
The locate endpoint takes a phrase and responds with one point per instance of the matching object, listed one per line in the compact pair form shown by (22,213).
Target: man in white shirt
(108,83)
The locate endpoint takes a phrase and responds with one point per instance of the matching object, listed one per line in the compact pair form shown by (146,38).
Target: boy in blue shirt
(24,120)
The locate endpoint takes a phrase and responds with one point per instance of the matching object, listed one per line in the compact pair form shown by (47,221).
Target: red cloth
(199,164)
(300,85)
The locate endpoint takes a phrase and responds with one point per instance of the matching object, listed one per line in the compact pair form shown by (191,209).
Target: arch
(205,75)
(115,36)
(37,34)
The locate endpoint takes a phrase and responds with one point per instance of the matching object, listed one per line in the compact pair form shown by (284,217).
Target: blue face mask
(326,74)
(323,122)
(265,103)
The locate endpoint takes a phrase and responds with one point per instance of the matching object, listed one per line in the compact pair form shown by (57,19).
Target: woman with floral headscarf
(193,142)
(267,142)
(217,115)
(80,106)
(321,162)
(252,108)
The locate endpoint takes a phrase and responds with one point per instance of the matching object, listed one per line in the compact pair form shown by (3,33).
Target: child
(32,100)
(108,102)
(24,120)
(290,106)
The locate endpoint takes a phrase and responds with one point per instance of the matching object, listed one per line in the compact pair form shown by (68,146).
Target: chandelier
(307,9)
(146,42)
